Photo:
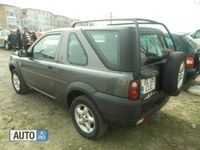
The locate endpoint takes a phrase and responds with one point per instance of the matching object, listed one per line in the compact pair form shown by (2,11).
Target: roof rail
(135,21)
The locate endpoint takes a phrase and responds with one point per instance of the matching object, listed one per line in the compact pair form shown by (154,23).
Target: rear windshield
(152,47)
(182,42)
(106,44)
(192,46)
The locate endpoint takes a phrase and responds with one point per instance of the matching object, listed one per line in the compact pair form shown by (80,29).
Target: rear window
(182,42)
(152,46)
(192,46)
(106,43)
(179,42)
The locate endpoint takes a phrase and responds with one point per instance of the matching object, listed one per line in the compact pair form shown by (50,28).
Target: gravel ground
(175,127)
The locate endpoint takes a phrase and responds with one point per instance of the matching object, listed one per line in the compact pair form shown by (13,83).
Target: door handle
(50,67)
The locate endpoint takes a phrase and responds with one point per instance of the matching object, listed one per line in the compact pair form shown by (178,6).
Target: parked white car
(3,38)
(196,36)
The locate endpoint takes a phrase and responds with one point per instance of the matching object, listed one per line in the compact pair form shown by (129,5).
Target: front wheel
(87,118)
(18,83)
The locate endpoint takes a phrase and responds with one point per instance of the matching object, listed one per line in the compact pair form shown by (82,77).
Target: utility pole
(111,17)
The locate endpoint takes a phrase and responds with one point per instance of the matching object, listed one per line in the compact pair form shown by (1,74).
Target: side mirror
(193,36)
(22,53)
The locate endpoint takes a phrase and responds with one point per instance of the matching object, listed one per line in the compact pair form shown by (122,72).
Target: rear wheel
(174,73)
(181,75)
(87,118)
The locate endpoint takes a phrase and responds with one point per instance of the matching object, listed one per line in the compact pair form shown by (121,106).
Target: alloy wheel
(84,118)
(181,75)
(16,81)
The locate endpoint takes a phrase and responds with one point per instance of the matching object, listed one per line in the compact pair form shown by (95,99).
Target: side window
(5,33)
(151,46)
(76,53)
(169,42)
(46,48)
(107,44)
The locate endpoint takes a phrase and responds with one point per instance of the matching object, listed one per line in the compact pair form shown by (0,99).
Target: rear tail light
(146,117)
(134,87)
(189,61)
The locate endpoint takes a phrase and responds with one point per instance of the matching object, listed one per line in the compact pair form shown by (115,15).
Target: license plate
(148,85)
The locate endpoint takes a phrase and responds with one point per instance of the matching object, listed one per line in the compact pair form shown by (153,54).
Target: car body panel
(3,37)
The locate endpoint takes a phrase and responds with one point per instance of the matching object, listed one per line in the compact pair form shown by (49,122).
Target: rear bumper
(191,73)
(123,112)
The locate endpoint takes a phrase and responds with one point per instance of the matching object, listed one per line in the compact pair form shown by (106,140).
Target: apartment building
(12,17)
(37,19)
(61,21)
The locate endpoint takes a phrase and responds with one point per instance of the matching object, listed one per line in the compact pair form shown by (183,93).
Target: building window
(9,13)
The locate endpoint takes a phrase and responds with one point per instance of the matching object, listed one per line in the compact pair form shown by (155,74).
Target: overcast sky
(178,15)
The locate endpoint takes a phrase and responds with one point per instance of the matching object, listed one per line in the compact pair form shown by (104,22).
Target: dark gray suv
(119,74)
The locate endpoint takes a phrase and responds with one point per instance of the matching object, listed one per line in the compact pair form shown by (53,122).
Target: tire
(173,75)
(18,83)
(85,113)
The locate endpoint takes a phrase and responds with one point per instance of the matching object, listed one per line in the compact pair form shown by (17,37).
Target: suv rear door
(152,54)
